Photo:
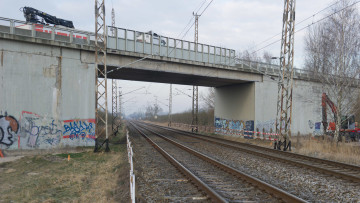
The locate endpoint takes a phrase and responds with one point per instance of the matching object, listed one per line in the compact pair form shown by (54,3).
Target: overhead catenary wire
(328,16)
(317,13)
(210,72)
(191,19)
(148,56)
(190,27)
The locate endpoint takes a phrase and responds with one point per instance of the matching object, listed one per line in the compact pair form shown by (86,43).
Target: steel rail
(209,191)
(328,171)
(277,192)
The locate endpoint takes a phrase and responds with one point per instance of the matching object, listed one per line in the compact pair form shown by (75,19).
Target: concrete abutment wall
(235,108)
(47,97)
(252,107)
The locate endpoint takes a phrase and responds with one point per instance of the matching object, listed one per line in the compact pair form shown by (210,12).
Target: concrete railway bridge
(47,83)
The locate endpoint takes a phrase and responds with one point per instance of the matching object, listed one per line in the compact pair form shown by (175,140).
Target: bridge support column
(235,109)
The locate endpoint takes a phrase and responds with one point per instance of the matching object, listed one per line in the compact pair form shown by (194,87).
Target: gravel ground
(304,183)
(156,179)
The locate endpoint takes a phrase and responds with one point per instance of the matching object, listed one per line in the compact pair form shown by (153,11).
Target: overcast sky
(234,24)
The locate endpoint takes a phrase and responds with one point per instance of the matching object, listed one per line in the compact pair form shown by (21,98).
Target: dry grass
(87,177)
(341,151)
(316,147)
(320,148)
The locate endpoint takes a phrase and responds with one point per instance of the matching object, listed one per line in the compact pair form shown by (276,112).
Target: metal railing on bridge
(273,70)
(147,43)
(269,69)
(151,43)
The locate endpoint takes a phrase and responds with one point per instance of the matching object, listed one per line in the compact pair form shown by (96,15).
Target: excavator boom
(31,15)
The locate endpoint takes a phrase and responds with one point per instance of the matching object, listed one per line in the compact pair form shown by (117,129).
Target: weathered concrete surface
(154,68)
(47,97)
(162,71)
(253,106)
(306,114)
(236,101)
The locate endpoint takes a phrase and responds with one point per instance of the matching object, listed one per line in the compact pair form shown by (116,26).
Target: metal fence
(132,175)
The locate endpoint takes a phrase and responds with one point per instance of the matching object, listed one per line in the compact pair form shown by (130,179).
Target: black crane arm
(31,15)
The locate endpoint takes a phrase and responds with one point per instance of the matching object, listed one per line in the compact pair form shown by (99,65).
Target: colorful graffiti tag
(34,131)
(38,130)
(9,127)
(232,127)
(317,130)
(79,129)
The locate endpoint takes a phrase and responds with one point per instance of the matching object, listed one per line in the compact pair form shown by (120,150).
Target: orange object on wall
(332,126)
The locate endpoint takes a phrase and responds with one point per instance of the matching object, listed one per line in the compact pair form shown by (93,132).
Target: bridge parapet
(125,40)
(153,44)
(273,70)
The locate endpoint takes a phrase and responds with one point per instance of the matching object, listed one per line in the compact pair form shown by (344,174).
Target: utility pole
(101,107)
(195,101)
(170,105)
(285,88)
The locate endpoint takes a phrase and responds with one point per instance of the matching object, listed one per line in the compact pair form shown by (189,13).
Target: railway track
(213,177)
(340,170)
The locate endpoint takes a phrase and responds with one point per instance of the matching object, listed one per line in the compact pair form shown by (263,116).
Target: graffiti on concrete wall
(231,127)
(249,127)
(9,127)
(316,127)
(318,130)
(266,126)
(311,124)
(33,131)
(79,129)
(39,130)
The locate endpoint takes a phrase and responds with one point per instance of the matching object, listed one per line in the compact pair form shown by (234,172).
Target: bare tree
(209,98)
(248,55)
(267,57)
(152,111)
(356,109)
(332,52)
(252,56)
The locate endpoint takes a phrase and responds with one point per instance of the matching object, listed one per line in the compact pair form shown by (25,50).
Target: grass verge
(325,149)
(86,177)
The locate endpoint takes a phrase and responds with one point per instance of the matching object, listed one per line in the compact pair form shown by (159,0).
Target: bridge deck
(125,40)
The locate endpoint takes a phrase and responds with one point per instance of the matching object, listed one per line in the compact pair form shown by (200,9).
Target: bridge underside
(137,74)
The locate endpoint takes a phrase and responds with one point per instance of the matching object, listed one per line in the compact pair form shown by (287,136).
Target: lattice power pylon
(120,106)
(101,106)
(113,22)
(170,106)
(284,105)
(115,122)
(195,100)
